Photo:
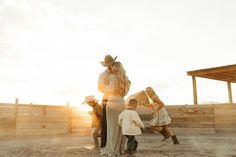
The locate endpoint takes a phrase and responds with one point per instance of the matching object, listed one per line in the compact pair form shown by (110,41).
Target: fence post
(69,117)
(16,113)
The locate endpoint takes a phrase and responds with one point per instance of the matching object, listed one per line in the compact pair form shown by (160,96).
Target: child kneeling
(131,123)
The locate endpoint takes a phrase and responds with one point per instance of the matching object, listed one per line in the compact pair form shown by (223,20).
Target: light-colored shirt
(103,82)
(130,122)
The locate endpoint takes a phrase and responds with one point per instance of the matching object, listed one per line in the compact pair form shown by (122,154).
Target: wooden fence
(27,120)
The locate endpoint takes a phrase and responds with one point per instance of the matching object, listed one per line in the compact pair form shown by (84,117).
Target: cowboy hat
(108,61)
(89,98)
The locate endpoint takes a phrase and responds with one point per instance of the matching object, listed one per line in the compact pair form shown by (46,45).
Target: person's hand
(143,128)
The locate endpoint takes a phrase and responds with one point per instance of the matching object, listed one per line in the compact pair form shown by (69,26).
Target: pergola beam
(230,92)
(218,77)
(213,70)
(223,73)
(195,101)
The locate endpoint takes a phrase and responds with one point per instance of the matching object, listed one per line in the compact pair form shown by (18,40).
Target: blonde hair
(123,81)
(149,88)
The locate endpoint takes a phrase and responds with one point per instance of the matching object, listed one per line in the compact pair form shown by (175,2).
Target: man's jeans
(104,124)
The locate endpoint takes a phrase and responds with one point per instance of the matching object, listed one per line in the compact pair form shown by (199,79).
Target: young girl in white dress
(161,117)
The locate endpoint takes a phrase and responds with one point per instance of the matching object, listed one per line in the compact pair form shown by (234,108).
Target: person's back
(96,118)
(131,123)
(96,115)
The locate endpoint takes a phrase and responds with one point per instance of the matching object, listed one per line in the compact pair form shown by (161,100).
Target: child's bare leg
(156,128)
(168,130)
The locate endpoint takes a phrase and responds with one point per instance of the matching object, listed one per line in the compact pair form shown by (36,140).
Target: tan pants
(95,134)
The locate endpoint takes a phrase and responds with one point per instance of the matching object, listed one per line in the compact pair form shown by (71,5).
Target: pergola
(224,73)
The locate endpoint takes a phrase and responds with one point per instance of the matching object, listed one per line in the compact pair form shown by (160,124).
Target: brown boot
(165,134)
(175,140)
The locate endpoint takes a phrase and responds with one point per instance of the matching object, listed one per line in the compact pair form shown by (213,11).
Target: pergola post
(194,90)
(230,93)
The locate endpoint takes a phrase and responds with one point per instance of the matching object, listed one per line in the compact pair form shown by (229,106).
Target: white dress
(115,105)
(160,117)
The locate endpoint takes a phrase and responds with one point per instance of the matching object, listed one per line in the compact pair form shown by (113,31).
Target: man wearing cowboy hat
(96,118)
(103,81)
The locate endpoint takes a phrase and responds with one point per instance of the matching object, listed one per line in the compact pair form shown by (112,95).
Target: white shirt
(130,122)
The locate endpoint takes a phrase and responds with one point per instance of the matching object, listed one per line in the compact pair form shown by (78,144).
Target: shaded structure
(223,73)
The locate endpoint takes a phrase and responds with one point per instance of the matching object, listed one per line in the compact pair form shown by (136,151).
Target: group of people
(117,121)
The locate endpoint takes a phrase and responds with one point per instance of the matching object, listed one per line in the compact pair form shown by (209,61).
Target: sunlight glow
(50,51)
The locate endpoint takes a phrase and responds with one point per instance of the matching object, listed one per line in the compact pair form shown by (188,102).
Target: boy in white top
(131,123)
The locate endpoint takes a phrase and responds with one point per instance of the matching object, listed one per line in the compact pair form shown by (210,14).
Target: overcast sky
(50,51)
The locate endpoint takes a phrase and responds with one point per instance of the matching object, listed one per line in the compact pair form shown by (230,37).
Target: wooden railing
(27,120)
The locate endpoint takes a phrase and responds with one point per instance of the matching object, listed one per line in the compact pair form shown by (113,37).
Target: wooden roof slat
(223,73)
(220,78)
(213,70)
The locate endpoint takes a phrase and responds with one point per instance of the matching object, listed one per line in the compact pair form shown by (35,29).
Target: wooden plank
(7,134)
(41,132)
(81,117)
(225,126)
(198,115)
(83,130)
(7,120)
(83,125)
(193,125)
(7,115)
(219,77)
(40,125)
(41,109)
(31,111)
(41,117)
(57,112)
(7,125)
(38,119)
(42,106)
(212,70)
(7,109)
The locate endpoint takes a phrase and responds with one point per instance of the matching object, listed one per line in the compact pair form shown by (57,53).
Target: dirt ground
(195,145)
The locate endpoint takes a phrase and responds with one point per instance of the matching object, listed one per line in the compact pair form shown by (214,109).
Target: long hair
(123,81)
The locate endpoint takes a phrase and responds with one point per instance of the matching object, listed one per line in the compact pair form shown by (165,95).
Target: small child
(161,117)
(96,118)
(130,122)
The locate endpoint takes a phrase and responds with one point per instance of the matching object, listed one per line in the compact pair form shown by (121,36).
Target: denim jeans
(103,124)
(132,144)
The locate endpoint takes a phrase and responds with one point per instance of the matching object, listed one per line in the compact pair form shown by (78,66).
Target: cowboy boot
(175,140)
(165,134)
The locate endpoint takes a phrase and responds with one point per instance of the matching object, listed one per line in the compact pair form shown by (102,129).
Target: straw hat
(108,61)
(89,98)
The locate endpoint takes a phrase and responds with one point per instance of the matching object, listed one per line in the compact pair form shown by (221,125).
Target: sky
(50,51)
